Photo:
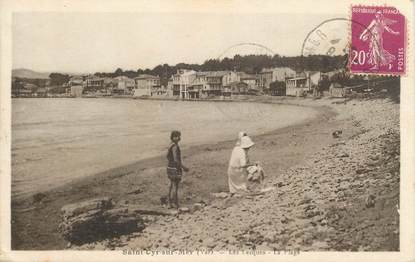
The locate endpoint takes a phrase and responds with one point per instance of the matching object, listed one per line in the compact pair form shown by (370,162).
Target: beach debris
(370,201)
(267,189)
(362,171)
(26,209)
(197,206)
(344,155)
(184,210)
(151,212)
(220,195)
(136,191)
(340,143)
(323,222)
(38,197)
(123,202)
(174,212)
(93,205)
(96,219)
(337,133)
(279,184)
(209,242)
(305,200)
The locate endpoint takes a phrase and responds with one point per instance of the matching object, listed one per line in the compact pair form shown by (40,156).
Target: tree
(58,79)
(118,72)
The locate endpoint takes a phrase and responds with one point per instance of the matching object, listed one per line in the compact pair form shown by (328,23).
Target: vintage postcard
(207,130)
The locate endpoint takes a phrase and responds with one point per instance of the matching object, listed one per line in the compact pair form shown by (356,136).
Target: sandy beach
(321,183)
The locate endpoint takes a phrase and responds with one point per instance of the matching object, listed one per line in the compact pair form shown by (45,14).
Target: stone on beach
(220,195)
(98,204)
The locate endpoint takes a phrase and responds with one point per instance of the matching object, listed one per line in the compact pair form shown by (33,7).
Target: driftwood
(96,219)
(152,212)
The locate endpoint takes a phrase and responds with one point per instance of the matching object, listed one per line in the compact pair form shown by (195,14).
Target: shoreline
(52,200)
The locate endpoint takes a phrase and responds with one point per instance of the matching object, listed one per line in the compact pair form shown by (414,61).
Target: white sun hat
(246,142)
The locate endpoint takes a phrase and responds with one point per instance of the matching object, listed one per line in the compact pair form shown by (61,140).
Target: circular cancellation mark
(331,37)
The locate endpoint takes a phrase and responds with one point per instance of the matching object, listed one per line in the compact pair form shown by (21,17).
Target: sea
(59,140)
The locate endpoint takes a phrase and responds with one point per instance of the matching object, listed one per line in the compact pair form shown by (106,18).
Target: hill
(27,73)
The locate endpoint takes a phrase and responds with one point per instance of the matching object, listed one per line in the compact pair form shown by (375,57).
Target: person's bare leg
(176,193)
(171,195)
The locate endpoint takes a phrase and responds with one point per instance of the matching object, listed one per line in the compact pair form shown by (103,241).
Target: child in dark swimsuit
(174,168)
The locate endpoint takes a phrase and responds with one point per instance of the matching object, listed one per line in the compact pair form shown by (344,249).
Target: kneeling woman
(237,172)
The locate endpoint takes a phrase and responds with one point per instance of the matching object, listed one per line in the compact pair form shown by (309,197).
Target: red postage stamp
(378,40)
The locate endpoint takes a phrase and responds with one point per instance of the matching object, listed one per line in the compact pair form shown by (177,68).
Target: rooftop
(273,69)
(146,76)
(244,75)
(298,78)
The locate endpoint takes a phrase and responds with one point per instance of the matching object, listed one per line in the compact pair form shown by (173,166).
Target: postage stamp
(378,46)
(152,130)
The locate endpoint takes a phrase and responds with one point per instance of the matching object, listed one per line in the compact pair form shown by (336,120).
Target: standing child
(174,168)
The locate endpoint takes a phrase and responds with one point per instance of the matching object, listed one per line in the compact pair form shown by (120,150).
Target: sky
(103,42)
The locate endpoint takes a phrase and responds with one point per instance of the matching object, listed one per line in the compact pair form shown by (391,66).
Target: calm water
(57,140)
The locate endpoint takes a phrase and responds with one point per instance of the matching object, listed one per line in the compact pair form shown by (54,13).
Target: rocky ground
(344,196)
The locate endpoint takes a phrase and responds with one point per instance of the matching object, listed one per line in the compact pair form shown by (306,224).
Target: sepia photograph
(199,133)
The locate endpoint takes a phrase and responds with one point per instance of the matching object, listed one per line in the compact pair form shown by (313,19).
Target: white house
(269,75)
(145,84)
(181,81)
(123,84)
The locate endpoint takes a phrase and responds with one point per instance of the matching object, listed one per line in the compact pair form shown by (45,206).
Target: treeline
(249,64)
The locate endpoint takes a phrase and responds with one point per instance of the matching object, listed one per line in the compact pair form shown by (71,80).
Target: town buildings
(76,90)
(122,85)
(93,83)
(146,85)
(303,82)
(187,84)
(29,87)
(76,80)
(249,79)
(182,80)
(270,75)
(213,83)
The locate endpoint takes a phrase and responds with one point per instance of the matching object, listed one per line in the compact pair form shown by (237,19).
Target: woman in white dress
(237,172)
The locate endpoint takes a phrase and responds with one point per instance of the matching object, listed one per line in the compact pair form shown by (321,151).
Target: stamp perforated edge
(408,65)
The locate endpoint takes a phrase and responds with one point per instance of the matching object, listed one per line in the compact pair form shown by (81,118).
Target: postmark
(380,46)
(331,38)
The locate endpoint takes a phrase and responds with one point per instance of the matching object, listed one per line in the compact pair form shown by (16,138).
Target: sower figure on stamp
(174,168)
(378,55)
